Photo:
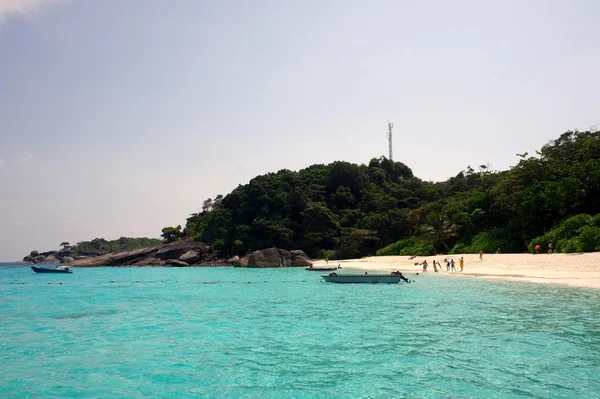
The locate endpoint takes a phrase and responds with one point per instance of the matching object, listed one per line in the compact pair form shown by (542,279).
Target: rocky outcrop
(149,262)
(34,253)
(273,257)
(299,258)
(190,257)
(51,259)
(181,253)
(178,248)
(176,263)
(175,254)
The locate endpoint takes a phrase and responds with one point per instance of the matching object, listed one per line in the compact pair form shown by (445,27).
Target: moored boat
(322,269)
(393,278)
(62,269)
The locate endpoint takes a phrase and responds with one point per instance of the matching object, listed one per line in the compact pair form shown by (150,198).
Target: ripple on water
(236,333)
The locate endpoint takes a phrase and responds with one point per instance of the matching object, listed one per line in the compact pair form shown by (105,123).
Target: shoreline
(573,270)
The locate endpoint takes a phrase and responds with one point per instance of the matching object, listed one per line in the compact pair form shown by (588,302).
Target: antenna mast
(389,137)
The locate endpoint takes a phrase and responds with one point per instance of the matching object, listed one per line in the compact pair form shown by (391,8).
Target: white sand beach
(578,270)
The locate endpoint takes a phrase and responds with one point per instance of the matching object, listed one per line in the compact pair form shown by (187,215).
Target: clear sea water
(283,333)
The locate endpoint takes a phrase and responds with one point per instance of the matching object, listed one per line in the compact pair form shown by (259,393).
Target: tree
(65,245)
(207,205)
(170,234)
(438,228)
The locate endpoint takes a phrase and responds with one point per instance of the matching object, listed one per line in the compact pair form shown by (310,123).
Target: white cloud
(24,7)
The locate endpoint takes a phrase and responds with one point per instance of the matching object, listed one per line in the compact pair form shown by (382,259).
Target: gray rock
(176,263)
(233,260)
(34,253)
(190,257)
(270,257)
(39,259)
(150,261)
(301,261)
(175,249)
(28,258)
(299,258)
(164,252)
(51,259)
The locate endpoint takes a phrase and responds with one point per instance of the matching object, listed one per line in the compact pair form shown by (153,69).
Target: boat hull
(361,278)
(320,269)
(47,270)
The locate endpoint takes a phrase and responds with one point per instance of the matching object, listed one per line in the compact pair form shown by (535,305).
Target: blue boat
(61,269)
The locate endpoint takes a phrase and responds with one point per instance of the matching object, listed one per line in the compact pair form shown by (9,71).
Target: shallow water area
(284,333)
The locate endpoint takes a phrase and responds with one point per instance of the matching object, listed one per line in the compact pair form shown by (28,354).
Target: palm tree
(438,228)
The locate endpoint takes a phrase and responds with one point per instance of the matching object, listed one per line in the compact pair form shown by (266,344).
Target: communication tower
(389,137)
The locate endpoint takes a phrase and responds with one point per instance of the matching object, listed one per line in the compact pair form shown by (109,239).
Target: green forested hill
(345,210)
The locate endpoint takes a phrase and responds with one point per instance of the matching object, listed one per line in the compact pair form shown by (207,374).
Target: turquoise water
(283,333)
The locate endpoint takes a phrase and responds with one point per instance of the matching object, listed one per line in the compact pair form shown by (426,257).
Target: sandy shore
(578,270)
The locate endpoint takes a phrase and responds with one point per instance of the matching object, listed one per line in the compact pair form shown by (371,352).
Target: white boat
(392,278)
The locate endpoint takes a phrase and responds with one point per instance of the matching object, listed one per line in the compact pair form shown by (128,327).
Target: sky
(118,118)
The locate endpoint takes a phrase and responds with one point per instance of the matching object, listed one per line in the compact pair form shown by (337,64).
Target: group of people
(450,266)
(550,248)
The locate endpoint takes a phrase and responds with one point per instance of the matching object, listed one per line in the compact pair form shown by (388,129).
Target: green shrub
(489,242)
(326,253)
(580,233)
(408,247)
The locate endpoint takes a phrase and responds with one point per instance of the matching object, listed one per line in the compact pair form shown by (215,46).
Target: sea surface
(284,333)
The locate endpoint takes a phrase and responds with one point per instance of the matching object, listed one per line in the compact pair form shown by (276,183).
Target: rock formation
(273,257)
(181,253)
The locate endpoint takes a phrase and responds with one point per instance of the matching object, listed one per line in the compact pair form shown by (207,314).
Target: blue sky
(118,118)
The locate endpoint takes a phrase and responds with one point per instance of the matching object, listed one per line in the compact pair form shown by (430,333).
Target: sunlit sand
(579,270)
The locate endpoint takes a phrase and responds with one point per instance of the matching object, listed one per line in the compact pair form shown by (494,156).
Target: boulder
(140,257)
(51,259)
(149,261)
(299,258)
(241,262)
(67,259)
(176,263)
(270,257)
(233,259)
(34,253)
(39,259)
(190,257)
(175,249)
(301,261)
(28,258)
(48,253)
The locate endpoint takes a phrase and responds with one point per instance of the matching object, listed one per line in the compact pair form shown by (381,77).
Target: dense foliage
(100,246)
(347,210)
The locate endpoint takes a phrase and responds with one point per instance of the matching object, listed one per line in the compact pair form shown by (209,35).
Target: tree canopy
(348,210)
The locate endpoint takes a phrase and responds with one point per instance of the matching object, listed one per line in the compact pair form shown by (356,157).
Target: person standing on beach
(462,263)
(550,248)
(424,266)
(452,265)
(447,265)
(480,255)
(435,266)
